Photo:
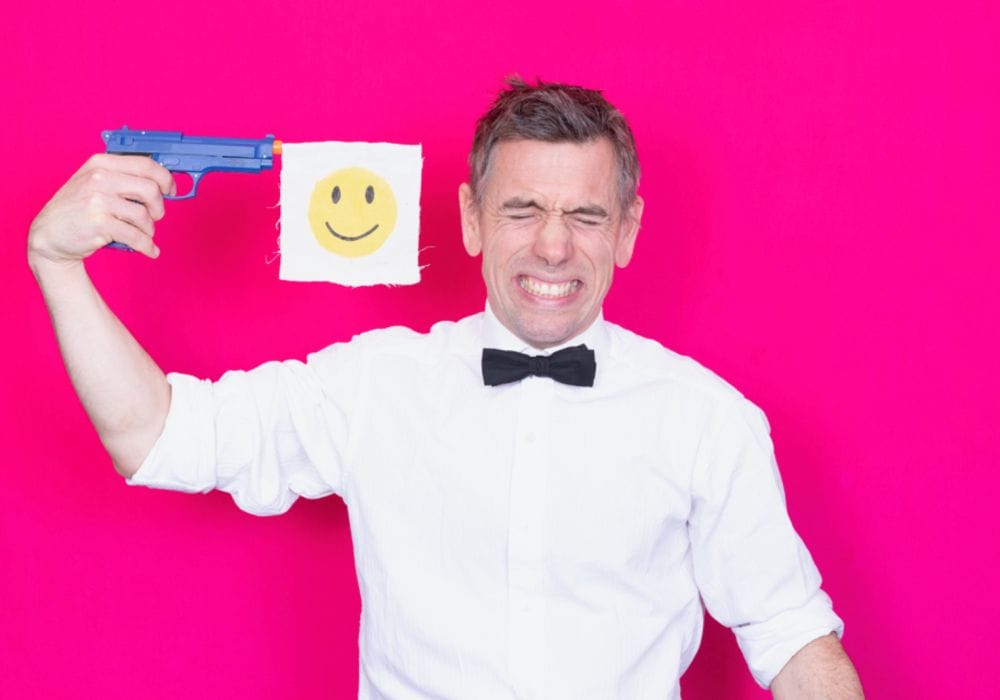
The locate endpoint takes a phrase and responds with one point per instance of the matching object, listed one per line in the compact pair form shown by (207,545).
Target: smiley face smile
(350,238)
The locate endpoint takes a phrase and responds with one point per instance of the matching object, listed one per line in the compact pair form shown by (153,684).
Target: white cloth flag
(350,213)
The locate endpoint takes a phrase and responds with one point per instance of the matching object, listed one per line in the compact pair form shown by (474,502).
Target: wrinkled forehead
(556,175)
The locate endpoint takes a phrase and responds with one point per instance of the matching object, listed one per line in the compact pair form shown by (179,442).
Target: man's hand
(820,670)
(111,198)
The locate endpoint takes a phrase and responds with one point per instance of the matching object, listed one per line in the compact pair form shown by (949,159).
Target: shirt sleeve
(266,436)
(754,573)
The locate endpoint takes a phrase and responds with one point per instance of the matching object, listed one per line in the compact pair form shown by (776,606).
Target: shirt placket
(526,539)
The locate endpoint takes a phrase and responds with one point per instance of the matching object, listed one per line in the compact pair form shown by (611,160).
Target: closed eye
(520,209)
(521,213)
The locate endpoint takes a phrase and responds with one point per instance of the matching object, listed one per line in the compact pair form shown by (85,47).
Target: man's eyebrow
(520,203)
(589,210)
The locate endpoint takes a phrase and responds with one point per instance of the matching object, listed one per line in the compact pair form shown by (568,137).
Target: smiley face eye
(336,194)
(369,194)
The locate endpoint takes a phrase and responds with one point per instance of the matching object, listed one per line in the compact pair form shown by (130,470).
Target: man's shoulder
(655,363)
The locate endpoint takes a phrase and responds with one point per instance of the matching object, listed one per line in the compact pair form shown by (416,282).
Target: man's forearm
(122,389)
(820,670)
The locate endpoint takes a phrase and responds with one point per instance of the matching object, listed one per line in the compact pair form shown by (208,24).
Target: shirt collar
(496,335)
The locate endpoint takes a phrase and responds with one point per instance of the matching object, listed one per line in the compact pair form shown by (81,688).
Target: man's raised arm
(111,198)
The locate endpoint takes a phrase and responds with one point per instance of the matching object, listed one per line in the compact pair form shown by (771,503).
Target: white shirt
(532,540)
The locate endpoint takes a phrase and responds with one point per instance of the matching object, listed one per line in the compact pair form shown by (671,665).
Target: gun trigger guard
(195,177)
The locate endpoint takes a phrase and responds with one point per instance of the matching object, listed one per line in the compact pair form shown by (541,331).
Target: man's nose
(554,241)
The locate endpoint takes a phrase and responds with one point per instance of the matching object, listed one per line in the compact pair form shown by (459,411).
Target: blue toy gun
(194,155)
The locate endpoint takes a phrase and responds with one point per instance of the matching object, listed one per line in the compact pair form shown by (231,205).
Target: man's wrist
(49,271)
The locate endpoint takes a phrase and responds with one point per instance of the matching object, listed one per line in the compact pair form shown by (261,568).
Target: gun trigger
(195,177)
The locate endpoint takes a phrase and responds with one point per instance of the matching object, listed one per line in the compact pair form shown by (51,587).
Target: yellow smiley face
(352,212)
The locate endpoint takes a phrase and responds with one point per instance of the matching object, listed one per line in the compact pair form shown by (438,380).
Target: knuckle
(140,216)
(98,176)
(156,209)
(152,191)
(146,208)
(96,201)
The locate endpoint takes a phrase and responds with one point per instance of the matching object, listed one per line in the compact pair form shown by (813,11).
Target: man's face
(551,230)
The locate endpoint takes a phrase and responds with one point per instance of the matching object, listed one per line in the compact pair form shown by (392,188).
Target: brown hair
(554,112)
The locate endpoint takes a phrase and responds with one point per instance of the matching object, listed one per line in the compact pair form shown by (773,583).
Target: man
(531,527)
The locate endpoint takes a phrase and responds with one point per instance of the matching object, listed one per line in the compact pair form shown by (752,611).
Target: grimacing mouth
(350,238)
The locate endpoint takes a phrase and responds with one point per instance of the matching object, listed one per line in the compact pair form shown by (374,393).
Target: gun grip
(195,177)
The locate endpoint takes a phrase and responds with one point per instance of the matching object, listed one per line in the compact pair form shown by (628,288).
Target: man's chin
(547,335)
(541,326)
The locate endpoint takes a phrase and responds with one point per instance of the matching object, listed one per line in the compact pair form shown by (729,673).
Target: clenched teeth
(549,291)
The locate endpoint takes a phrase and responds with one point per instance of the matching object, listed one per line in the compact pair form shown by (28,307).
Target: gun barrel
(190,154)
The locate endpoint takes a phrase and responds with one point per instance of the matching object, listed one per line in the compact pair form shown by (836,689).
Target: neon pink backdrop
(821,229)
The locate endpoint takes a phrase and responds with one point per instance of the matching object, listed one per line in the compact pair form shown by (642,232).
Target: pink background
(821,229)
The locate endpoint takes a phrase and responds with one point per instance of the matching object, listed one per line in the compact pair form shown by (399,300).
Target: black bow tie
(573,366)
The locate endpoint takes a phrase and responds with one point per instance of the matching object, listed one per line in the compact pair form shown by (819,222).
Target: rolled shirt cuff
(767,646)
(183,457)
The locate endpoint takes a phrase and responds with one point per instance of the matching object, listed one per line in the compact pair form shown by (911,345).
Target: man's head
(552,206)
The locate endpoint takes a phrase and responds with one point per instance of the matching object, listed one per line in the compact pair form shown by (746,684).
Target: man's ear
(625,245)
(469,210)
